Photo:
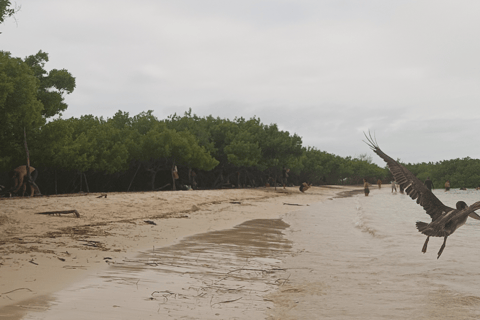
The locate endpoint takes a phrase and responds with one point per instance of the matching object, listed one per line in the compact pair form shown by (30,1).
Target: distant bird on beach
(445,220)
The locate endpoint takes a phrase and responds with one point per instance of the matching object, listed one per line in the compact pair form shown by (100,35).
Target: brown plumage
(445,220)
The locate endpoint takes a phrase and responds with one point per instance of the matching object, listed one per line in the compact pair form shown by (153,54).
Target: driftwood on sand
(75,212)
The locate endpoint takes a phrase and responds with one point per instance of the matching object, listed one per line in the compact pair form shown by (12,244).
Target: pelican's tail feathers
(421,226)
(429,230)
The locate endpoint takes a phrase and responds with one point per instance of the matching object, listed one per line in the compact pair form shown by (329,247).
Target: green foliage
(52,85)
(243,151)
(19,108)
(251,145)
(64,147)
(242,144)
(279,148)
(461,172)
(197,126)
(168,146)
(6,10)
(28,95)
(157,147)
(92,143)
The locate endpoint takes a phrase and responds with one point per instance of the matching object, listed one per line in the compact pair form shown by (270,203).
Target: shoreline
(41,254)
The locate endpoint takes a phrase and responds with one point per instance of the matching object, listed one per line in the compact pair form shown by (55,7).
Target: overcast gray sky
(326,70)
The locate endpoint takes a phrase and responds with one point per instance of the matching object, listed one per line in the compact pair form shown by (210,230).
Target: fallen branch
(102,195)
(151,263)
(16,290)
(61,212)
(92,243)
(165,296)
(75,267)
(161,188)
(293,204)
(227,301)
(284,279)
(257,270)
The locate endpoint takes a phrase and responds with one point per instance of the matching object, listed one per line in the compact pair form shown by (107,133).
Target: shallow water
(346,258)
(360,258)
(221,274)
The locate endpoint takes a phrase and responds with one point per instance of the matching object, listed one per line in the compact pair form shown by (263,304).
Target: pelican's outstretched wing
(410,183)
(474,215)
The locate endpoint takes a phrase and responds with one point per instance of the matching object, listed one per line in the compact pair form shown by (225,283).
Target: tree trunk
(133,178)
(86,183)
(154,173)
(81,182)
(30,182)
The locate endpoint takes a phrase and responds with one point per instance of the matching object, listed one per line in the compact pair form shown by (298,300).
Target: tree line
(142,152)
(462,173)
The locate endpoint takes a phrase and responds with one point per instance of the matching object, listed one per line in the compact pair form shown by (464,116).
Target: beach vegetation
(462,172)
(7,10)
(29,95)
(141,152)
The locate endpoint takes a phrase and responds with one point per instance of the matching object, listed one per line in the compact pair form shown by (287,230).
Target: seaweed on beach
(349,193)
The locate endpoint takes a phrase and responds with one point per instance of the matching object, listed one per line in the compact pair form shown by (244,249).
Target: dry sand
(41,254)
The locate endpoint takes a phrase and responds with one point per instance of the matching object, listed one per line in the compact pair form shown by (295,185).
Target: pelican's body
(445,224)
(445,220)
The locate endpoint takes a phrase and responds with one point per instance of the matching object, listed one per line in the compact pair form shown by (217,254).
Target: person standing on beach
(394,187)
(447,185)
(379,182)
(365,187)
(429,184)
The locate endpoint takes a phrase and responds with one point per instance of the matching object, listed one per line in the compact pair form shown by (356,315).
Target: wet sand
(43,254)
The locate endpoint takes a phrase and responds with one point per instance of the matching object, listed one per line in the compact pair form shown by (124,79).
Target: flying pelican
(445,220)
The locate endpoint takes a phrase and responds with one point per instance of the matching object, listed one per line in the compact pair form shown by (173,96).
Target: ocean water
(360,258)
(345,258)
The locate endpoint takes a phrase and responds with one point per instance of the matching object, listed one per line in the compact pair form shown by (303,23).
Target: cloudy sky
(324,69)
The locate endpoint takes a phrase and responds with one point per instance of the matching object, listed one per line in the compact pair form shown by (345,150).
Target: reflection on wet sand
(222,274)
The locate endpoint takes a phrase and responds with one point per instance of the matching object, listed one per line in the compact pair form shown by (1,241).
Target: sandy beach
(44,253)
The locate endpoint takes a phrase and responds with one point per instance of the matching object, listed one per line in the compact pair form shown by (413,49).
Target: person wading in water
(447,185)
(429,184)
(365,187)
